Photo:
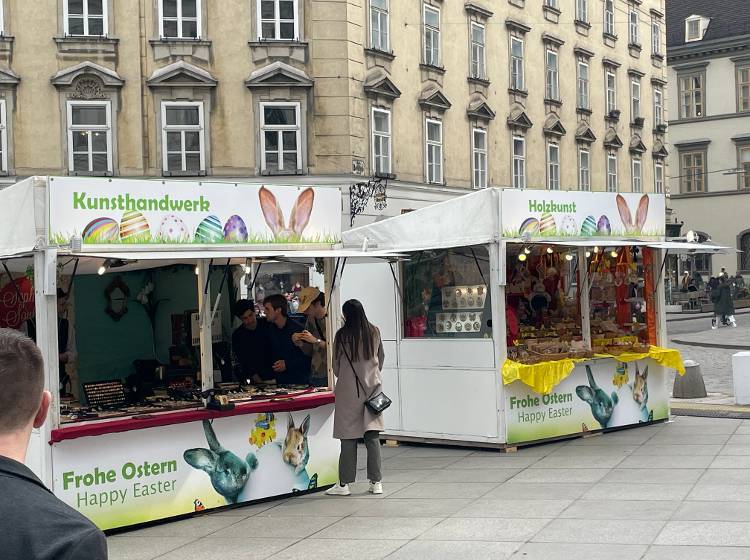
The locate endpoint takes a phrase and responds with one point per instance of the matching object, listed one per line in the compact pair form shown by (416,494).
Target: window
(84,17)
(658,106)
(633,26)
(582,10)
(477,51)
(656,37)
(637,175)
(692,172)
(693,29)
(431,35)
(611,173)
(516,64)
(658,177)
(3,137)
(553,88)
(635,99)
(89,137)
(278,20)
(379,23)
(609,17)
(743,89)
(745,251)
(280,138)
(551,3)
(584,169)
(743,164)
(479,157)
(182,137)
(691,95)
(583,85)
(519,162)
(434,149)
(381,141)
(179,19)
(553,167)
(611,91)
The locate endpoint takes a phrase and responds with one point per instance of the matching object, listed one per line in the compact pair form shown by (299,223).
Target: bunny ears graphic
(298,218)
(627,218)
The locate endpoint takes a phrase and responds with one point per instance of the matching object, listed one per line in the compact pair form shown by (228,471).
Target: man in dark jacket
(250,343)
(35,524)
(723,304)
(290,364)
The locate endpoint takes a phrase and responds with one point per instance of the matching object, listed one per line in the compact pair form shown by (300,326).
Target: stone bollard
(741,377)
(690,385)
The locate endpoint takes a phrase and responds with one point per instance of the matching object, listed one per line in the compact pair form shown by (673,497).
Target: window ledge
(638,123)
(660,129)
(517,3)
(90,174)
(518,92)
(584,111)
(268,173)
(551,14)
(261,51)
(555,102)
(184,173)
(479,81)
(582,27)
(613,116)
(169,47)
(6,47)
(389,176)
(377,53)
(74,44)
(431,68)
(609,39)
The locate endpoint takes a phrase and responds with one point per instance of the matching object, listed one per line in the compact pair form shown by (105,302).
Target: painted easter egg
(133,224)
(569,226)
(530,226)
(209,231)
(235,229)
(547,224)
(603,226)
(101,230)
(589,226)
(173,229)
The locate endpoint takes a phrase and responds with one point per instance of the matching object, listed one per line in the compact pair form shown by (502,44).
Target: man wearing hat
(312,341)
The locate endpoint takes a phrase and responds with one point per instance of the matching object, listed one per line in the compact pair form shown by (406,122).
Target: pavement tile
(666,462)
(560,475)
(726,476)
(604,531)
(654,450)
(390,528)
(471,475)
(735,450)
(509,461)
(705,421)
(579,551)
(342,549)
(246,510)
(413,507)
(626,437)
(400,462)
(325,506)
(442,490)
(634,491)
(400,475)
(450,550)
(127,547)
(701,533)
(514,509)
(237,549)
(713,511)
(621,509)
(361,490)
(739,440)
(195,527)
(743,430)
(654,476)
(276,527)
(731,462)
(579,461)
(485,529)
(716,439)
(720,492)
(435,452)
(696,553)
(537,491)
(608,451)
(703,429)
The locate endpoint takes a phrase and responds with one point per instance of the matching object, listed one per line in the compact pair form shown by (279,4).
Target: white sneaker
(376,487)
(338,490)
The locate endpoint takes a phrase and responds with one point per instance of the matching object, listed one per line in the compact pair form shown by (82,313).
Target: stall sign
(123,479)
(540,214)
(597,395)
(16,302)
(142,212)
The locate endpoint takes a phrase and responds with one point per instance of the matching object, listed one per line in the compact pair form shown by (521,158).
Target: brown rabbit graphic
(298,218)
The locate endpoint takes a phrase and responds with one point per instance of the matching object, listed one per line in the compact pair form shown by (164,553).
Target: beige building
(435,96)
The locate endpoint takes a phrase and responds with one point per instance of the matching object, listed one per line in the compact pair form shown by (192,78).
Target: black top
(282,348)
(36,525)
(253,351)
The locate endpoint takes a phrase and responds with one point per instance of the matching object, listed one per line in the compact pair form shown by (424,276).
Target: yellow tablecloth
(545,376)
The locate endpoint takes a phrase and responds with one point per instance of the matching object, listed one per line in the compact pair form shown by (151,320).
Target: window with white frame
(431,37)
(633,25)
(610,83)
(179,19)
(743,89)
(479,157)
(381,141)
(743,163)
(655,37)
(3,137)
(477,51)
(584,168)
(658,106)
(582,10)
(637,175)
(693,29)
(551,4)
(552,90)
(609,17)
(379,25)
(691,95)
(582,101)
(611,172)
(693,171)
(658,177)
(89,137)
(553,166)
(516,64)
(635,98)
(183,137)
(280,137)
(434,150)
(278,20)
(519,162)
(83,17)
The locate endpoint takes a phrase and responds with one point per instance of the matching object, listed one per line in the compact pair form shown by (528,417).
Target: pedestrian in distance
(723,304)
(357,363)
(36,524)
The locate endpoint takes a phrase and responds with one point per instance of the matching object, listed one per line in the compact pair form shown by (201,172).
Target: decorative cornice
(612,140)
(515,25)
(433,98)
(379,84)
(656,13)
(636,73)
(278,74)
(688,144)
(479,109)
(553,127)
(637,146)
(477,10)
(611,63)
(658,81)
(580,51)
(551,39)
(181,73)
(659,150)
(519,119)
(584,134)
(708,49)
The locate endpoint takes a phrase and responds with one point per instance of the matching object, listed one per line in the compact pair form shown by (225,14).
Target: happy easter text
(521,406)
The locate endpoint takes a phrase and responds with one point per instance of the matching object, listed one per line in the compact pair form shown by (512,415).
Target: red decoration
(15,310)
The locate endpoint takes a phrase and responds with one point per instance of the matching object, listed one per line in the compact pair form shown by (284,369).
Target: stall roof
(21,215)
(685,247)
(193,256)
(595,242)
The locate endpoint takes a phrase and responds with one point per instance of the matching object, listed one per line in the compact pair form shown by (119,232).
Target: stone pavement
(671,491)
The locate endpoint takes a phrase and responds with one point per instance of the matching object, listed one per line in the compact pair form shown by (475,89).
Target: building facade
(432,97)
(709,131)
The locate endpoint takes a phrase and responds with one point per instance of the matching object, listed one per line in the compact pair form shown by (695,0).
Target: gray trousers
(348,459)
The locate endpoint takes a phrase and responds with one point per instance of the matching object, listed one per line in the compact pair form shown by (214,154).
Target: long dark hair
(356,334)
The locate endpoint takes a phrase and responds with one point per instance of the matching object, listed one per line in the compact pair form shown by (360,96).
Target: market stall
(157,425)
(521,316)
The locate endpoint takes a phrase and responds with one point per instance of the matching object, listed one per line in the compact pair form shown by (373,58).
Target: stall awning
(602,242)
(143,255)
(684,247)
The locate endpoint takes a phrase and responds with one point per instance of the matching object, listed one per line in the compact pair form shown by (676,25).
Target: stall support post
(499,328)
(204,316)
(333,318)
(660,301)
(583,278)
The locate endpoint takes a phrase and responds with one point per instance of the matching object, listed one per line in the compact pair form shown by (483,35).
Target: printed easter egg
(101,230)
(235,229)
(589,226)
(209,230)
(568,226)
(173,229)
(547,224)
(133,224)
(530,226)
(603,227)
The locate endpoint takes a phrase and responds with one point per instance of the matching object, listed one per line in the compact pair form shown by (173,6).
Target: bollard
(690,385)
(741,377)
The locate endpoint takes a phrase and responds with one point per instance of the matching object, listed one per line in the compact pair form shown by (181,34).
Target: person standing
(288,362)
(357,364)
(723,304)
(250,343)
(312,341)
(36,524)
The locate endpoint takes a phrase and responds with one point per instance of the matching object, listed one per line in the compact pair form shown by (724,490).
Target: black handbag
(375,403)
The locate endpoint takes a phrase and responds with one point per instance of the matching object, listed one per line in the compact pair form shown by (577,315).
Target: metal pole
(206,344)
(583,276)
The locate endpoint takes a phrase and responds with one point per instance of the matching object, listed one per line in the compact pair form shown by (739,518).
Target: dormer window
(695,28)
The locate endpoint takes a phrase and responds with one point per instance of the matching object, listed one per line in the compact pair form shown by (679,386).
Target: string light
(596,250)
(102,270)
(613,253)
(527,250)
(549,250)
(521,257)
(569,257)
(588,254)
(196,271)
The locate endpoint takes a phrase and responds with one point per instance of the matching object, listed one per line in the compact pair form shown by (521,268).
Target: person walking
(357,364)
(723,304)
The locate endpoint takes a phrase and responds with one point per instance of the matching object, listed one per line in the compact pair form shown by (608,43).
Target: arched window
(744,246)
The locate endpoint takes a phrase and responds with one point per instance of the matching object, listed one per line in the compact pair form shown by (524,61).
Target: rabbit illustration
(640,393)
(640,215)
(298,218)
(228,473)
(602,404)
(295,450)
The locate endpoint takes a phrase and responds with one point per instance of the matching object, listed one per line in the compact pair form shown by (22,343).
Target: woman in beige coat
(357,351)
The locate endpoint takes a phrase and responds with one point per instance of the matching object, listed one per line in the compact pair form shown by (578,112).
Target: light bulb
(196,271)
(248,270)
(588,254)
(596,249)
(102,270)
(549,250)
(527,250)
(522,257)
(613,254)
(568,257)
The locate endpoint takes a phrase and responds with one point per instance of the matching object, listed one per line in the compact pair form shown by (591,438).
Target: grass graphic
(147,239)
